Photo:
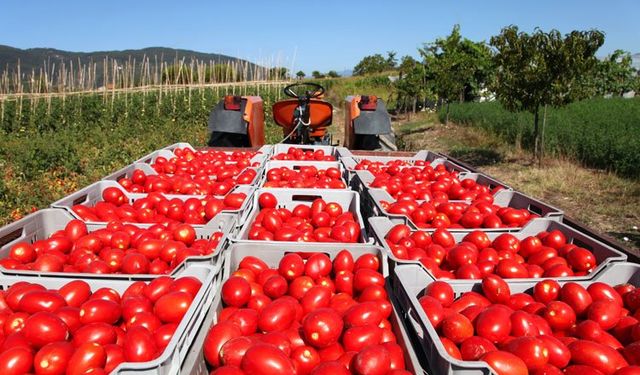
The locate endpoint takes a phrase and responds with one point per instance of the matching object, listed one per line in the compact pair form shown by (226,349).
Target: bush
(601,133)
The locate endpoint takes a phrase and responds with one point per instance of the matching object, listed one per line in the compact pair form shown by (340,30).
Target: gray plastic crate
(289,198)
(283,148)
(195,363)
(167,153)
(411,280)
(604,254)
(503,198)
(92,194)
(271,254)
(42,224)
(127,172)
(295,165)
(171,359)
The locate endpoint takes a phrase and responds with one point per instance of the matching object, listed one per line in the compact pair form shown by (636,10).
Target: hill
(36,58)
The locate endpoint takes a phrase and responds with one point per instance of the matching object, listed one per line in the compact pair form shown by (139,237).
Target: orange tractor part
(237,121)
(320,116)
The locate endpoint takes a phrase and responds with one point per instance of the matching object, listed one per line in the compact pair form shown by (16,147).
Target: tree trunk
(415,103)
(544,123)
(536,135)
(446,118)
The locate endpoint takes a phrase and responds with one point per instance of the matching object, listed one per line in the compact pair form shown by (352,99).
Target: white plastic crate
(604,254)
(42,224)
(92,194)
(170,361)
(411,280)
(271,254)
(295,165)
(283,148)
(289,198)
(503,198)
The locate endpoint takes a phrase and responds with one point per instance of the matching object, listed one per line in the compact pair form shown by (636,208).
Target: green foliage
(373,64)
(614,75)
(300,74)
(48,153)
(601,133)
(333,74)
(317,75)
(411,85)
(458,68)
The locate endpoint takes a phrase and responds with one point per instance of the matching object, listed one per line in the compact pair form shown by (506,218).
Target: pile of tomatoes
(305,177)
(219,183)
(321,222)
(545,255)
(118,248)
(156,208)
(482,213)
(76,331)
(432,184)
(295,153)
(316,317)
(377,167)
(554,329)
(192,162)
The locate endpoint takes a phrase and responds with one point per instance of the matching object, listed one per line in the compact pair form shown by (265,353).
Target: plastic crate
(604,254)
(42,224)
(411,280)
(171,359)
(92,194)
(289,198)
(283,148)
(503,198)
(295,165)
(127,172)
(167,153)
(271,254)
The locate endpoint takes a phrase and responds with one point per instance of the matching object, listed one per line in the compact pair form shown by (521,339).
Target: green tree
(370,65)
(540,69)
(460,67)
(392,61)
(333,74)
(615,75)
(300,74)
(412,83)
(317,75)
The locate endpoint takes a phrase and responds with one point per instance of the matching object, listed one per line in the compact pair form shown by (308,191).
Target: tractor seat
(321,113)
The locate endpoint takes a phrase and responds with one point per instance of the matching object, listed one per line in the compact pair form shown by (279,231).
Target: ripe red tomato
(277,315)
(139,345)
(86,357)
(322,327)
(172,307)
(496,289)
(372,360)
(505,363)
(266,359)
(236,291)
(267,200)
(456,327)
(53,358)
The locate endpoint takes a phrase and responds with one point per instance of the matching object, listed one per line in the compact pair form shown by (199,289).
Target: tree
(412,82)
(391,61)
(460,67)
(370,65)
(333,74)
(300,74)
(317,75)
(542,69)
(615,74)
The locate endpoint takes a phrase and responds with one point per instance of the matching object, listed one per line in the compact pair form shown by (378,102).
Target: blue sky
(328,34)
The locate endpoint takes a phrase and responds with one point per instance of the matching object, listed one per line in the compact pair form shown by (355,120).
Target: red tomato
(531,350)
(266,359)
(139,345)
(496,289)
(322,327)
(217,336)
(546,291)
(16,360)
(357,338)
(172,307)
(505,363)
(43,328)
(576,296)
(100,310)
(441,291)
(267,200)
(236,291)
(475,347)
(456,327)
(52,359)
(494,323)
(277,315)
(372,360)
(305,359)
(87,356)
(601,357)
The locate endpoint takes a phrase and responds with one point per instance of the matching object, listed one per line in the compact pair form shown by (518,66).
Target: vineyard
(600,133)
(51,145)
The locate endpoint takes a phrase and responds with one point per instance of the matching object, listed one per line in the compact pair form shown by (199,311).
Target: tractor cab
(237,121)
(367,124)
(304,118)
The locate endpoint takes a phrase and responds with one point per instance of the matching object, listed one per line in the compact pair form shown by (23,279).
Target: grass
(599,133)
(602,200)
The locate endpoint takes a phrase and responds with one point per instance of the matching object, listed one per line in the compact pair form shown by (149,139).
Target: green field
(52,147)
(600,133)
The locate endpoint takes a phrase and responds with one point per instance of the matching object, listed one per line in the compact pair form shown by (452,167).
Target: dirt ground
(601,200)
